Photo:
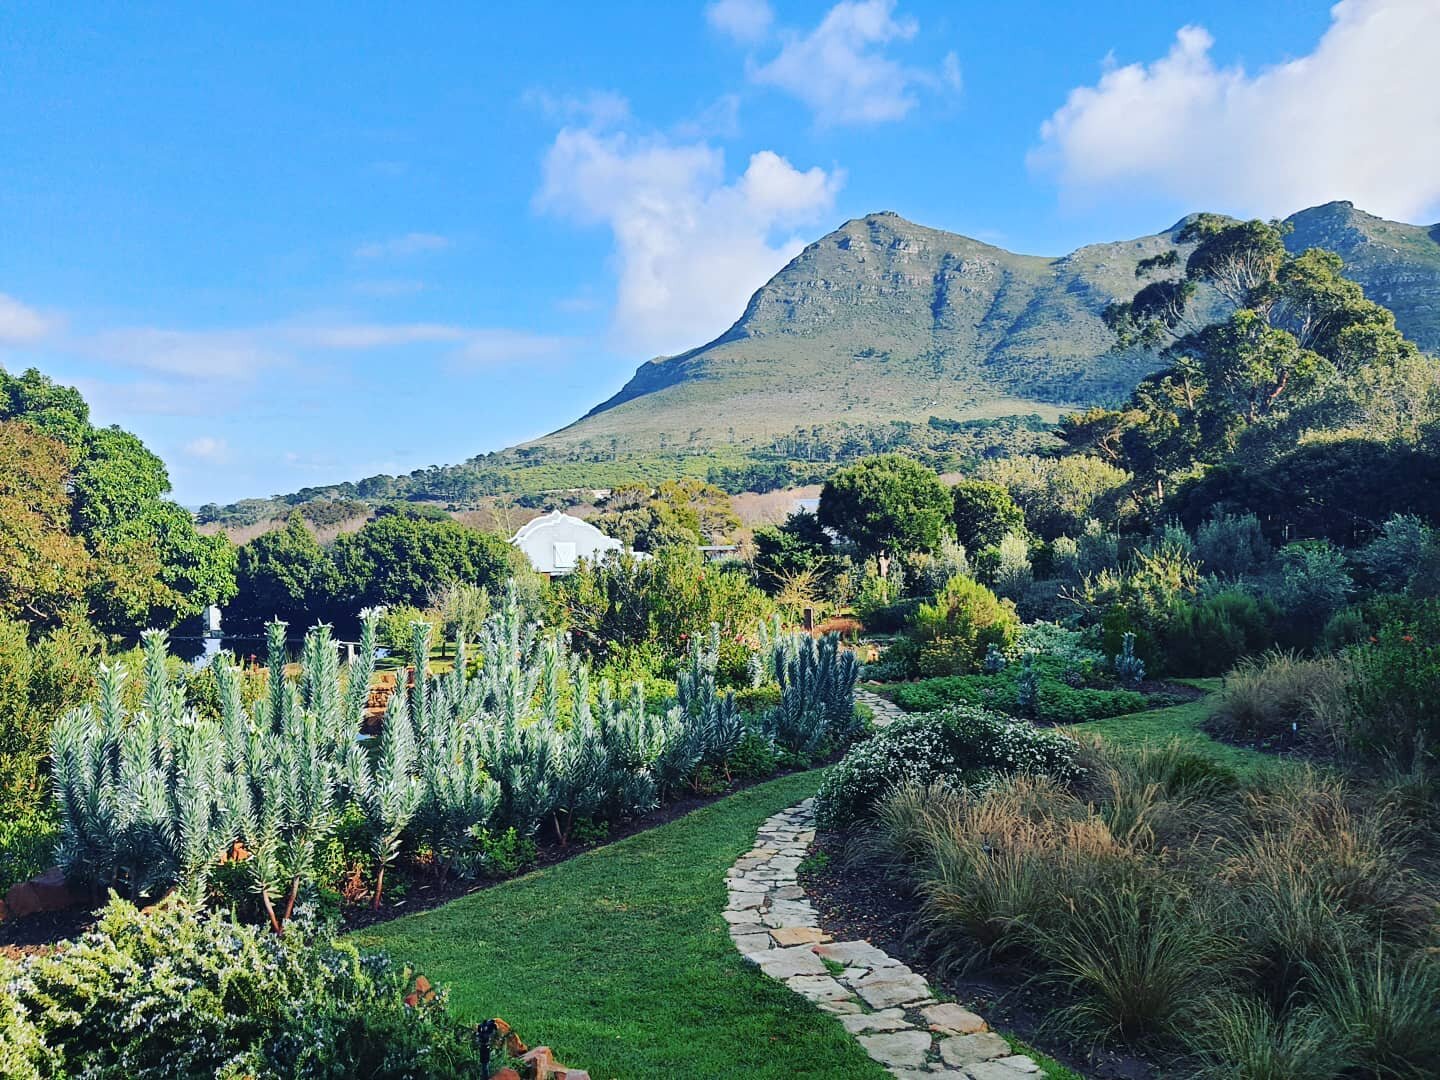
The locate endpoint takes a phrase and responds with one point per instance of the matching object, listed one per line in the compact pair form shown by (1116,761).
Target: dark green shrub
(172,992)
(1061,704)
(1209,636)
(1395,706)
(757,700)
(959,626)
(754,758)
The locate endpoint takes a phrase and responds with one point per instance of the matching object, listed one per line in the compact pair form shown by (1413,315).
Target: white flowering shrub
(962,746)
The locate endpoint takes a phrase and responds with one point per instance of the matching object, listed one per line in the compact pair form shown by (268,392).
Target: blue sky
(296,244)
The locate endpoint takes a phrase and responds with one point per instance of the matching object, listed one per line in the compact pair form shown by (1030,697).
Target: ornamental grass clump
(1272,925)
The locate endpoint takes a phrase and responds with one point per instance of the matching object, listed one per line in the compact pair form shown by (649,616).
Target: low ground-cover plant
(172,992)
(963,746)
(1226,925)
(1055,701)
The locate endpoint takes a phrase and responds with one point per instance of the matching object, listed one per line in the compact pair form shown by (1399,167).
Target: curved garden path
(886,1006)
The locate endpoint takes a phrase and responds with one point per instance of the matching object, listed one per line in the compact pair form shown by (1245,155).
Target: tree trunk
(379,887)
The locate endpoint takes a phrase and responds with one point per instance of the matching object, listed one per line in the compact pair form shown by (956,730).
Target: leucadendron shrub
(963,746)
(171,992)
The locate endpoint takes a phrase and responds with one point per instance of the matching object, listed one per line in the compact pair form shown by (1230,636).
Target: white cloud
(207,448)
(500,348)
(20,324)
(597,108)
(1358,118)
(375,335)
(841,71)
(236,355)
(747,21)
(690,246)
(415,243)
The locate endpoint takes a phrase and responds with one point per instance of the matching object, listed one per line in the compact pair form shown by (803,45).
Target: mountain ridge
(883,320)
(952,323)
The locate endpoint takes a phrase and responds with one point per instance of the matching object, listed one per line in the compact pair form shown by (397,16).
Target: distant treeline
(802,456)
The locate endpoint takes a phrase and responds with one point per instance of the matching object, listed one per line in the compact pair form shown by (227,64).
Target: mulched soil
(856,902)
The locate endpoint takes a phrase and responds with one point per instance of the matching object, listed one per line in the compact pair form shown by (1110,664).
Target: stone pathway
(885,711)
(889,1009)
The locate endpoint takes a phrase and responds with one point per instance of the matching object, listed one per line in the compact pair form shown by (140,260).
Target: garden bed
(40,932)
(858,902)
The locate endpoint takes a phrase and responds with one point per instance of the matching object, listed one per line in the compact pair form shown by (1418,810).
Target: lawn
(618,959)
(1184,722)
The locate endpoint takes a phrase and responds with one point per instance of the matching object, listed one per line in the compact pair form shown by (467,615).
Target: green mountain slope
(882,321)
(1397,264)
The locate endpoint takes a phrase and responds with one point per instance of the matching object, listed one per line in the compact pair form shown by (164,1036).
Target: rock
(856,954)
(48,892)
(899,1048)
(752,943)
(968,1050)
(882,993)
(1002,1070)
(783,963)
(1022,1062)
(888,1020)
(951,1019)
(739,930)
(798,935)
(538,1061)
(819,988)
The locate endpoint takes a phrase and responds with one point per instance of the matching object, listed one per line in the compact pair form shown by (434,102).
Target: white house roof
(555,541)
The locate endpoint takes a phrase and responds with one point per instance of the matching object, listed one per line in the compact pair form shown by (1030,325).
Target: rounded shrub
(962,746)
(961,624)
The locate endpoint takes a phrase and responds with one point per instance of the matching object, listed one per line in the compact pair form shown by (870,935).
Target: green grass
(618,959)
(1184,722)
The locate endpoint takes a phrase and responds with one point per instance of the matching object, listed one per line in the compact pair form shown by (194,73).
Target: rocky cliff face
(1397,264)
(885,319)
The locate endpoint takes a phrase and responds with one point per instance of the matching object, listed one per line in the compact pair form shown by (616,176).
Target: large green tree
(984,513)
(400,558)
(887,505)
(1264,350)
(149,564)
(286,574)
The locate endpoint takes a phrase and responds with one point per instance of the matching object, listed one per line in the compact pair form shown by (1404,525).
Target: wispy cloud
(207,448)
(747,21)
(22,324)
(1358,118)
(226,355)
(501,348)
(414,243)
(842,70)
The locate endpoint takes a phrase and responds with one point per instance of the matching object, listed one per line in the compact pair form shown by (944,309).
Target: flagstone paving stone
(889,1009)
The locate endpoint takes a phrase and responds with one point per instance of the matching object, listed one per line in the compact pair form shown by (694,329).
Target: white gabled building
(555,542)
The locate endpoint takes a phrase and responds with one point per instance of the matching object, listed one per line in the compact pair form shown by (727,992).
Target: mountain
(885,319)
(1397,264)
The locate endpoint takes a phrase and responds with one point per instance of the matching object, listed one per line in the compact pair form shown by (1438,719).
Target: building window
(564,555)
